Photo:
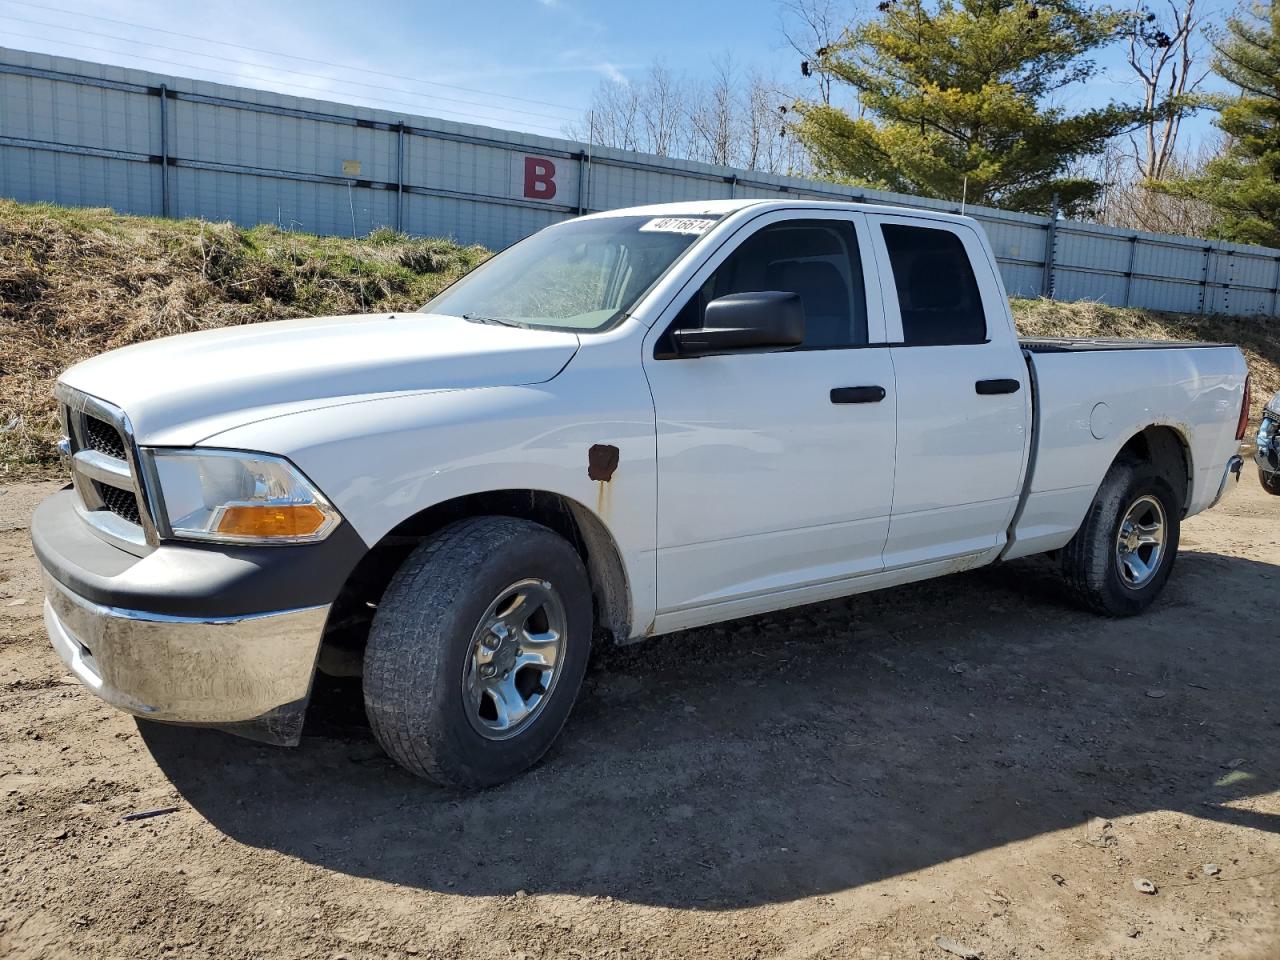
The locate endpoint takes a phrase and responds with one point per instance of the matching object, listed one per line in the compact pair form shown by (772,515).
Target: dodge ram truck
(627,424)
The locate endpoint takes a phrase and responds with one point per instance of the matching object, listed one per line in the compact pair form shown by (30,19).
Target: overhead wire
(293,56)
(267,66)
(318,93)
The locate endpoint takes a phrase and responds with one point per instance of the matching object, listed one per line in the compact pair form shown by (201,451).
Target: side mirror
(762,322)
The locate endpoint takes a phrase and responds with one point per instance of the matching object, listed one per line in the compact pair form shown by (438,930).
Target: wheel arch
(1167,449)
(353,609)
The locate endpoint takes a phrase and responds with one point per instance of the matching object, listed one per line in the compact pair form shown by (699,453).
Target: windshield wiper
(499,321)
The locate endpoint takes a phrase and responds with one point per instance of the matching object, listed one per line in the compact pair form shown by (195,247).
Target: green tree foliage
(1243,184)
(964,97)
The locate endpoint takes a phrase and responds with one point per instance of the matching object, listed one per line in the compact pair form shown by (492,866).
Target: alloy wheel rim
(1140,542)
(514,659)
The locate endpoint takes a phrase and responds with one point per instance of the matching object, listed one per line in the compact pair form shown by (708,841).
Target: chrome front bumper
(1267,454)
(249,675)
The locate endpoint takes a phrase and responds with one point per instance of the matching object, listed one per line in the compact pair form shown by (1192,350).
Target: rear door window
(937,291)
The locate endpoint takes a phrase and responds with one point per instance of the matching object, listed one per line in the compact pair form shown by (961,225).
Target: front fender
(382,461)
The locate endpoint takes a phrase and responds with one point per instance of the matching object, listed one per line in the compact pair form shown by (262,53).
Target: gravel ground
(969,759)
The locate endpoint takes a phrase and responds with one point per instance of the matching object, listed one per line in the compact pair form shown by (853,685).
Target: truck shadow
(809,751)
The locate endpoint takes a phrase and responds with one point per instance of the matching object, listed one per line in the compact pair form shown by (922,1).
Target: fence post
(1226,286)
(1128,274)
(164,150)
(1204,282)
(584,181)
(400,177)
(1050,249)
(1275,292)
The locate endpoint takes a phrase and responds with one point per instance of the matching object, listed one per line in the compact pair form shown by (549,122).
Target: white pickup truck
(627,424)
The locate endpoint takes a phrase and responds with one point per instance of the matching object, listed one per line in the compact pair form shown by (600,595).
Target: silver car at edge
(1268,452)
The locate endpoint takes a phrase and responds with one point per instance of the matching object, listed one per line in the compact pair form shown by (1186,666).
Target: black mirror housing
(762,322)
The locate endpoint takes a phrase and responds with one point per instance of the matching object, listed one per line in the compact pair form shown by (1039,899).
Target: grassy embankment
(76,282)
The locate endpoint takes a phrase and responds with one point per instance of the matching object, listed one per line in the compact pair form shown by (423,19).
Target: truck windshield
(580,275)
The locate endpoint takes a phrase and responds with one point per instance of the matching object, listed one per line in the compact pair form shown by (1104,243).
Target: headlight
(235,497)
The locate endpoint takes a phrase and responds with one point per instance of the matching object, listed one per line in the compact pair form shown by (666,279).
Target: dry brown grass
(1258,337)
(74,283)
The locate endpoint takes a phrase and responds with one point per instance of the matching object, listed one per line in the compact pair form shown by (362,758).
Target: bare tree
(767,142)
(613,119)
(760,123)
(1164,50)
(648,116)
(713,116)
(729,119)
(810,28)
(1127,201)
(662,104)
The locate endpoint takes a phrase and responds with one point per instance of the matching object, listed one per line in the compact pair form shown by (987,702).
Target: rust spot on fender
(602,461)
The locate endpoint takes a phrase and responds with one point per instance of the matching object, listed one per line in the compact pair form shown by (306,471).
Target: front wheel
(1270,482)
(1123,553)
(478,650)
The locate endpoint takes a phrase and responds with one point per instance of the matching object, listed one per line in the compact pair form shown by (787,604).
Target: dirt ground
(969,759)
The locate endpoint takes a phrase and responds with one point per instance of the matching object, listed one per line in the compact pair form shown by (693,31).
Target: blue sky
(525,64)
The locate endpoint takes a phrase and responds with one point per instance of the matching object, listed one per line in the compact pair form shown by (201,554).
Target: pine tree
(958,99)
(1243,184)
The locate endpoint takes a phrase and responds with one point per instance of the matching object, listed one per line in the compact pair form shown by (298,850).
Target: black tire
(1090,563)
(1270,482)
(420,646)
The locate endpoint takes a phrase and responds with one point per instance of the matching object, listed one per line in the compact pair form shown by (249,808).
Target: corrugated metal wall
(87,134)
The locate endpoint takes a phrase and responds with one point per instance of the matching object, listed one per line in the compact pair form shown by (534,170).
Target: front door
(775,470)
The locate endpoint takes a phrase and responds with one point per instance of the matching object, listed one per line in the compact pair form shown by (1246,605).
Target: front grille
(122,503)
(100,448)
(103,437)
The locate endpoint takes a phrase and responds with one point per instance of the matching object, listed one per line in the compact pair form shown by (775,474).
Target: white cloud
(611,72)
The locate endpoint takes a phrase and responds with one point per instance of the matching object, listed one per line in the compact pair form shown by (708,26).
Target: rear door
(963,391)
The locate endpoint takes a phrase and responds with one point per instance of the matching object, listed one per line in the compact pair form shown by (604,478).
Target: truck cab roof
(725,207)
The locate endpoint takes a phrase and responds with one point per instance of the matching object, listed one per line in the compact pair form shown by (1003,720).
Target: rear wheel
(1270,482)
(477,651)
(1122,555)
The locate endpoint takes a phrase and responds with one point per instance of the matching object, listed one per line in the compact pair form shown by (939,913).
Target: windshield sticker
(694,226)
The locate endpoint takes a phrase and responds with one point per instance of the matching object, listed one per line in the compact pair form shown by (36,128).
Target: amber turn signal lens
(271,520)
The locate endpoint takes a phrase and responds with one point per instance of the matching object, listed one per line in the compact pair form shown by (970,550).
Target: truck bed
(1089,345)
(1092,396)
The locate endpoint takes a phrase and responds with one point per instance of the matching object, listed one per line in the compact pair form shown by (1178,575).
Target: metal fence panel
(288,204)
(86,134)
(1087,250)
(1246,270)
(1021,280)
(1178,258)
(40,109)
(1241,302)
(1081,284)
(1178,297)
(35,176)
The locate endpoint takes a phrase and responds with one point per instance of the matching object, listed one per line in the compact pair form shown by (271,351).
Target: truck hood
(180,390)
